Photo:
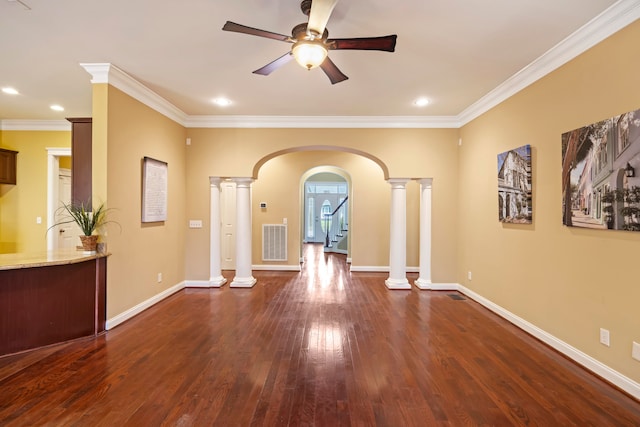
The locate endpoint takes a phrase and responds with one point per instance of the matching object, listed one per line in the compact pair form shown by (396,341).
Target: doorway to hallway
(326,211)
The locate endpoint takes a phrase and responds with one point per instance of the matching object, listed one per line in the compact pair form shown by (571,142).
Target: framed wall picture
(600,182)
(514,186)
(154,190)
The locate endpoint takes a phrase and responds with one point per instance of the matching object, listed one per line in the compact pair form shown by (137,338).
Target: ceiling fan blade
(237,28)
(330,69)
(319,15)
(274,65)
(384,43)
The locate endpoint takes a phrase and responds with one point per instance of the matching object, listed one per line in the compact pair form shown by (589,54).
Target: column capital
(243,181)
(398,182)
(426,182)
(215,180)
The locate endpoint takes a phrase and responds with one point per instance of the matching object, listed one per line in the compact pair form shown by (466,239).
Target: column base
(217,282)
(423,284)
(397,284)
(243,282)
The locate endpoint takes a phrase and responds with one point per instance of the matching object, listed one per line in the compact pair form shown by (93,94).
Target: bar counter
(51,297)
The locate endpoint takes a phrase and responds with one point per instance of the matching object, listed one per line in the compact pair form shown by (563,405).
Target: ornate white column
(243,278)
(215,271)
(424,280)
(398,236)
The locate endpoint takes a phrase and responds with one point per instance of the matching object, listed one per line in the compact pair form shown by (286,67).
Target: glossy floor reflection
(321,347)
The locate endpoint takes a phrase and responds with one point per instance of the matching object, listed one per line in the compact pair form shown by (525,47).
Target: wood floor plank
(320,347)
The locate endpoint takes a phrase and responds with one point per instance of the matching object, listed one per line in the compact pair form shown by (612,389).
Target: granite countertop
(47,258)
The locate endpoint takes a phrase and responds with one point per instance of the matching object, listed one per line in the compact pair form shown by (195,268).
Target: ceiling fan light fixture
(9,91)
(309,53)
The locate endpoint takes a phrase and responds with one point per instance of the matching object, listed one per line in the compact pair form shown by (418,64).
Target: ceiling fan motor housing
(305,6)
(299,33)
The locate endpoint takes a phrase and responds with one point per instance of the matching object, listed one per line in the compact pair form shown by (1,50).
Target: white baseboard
(264,267)
(369,268)
(437,286)
(379,269)
(128,314)
(588,362)
(198,284)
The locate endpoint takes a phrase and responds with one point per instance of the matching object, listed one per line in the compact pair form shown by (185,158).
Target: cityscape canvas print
(600,183)
(514,186)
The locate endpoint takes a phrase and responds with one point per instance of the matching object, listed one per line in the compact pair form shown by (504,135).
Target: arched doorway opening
(325,212)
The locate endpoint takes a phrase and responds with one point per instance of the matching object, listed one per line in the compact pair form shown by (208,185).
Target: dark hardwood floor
(322,347)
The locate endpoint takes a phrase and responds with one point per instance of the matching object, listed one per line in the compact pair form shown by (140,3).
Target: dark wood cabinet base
(51,304)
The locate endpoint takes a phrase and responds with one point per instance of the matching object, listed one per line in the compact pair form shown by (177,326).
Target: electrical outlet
(635,351)
(38,220)
(469,275)
(159,277)
(604,337)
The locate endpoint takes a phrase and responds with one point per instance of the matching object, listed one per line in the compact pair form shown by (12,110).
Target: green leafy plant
(88,220)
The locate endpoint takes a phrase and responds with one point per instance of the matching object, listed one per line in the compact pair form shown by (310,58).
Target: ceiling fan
(311,41)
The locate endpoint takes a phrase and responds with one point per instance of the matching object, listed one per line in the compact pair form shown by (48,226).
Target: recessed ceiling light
(57,108)
(9,91)
(421,102)
(222,102)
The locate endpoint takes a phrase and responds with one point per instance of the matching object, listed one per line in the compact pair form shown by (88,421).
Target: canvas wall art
(600,183)
(514,186)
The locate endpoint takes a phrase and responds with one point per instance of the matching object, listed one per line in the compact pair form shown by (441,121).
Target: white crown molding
(616,17)
(109,73)
(394,122)
(35,125)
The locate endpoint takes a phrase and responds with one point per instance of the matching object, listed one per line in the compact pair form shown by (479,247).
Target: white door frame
(53,170)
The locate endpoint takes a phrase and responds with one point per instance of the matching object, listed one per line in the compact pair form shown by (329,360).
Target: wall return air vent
(274,242)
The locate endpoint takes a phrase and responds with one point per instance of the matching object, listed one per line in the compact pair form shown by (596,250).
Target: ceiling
(454,52)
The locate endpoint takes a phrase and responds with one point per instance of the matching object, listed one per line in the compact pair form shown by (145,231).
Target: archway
(323,162)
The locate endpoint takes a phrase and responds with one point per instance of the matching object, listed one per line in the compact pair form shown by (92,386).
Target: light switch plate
(195,223)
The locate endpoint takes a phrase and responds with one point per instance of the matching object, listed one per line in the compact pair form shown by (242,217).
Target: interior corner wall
(22,203)
(407,153)
(566,281)
(140,251)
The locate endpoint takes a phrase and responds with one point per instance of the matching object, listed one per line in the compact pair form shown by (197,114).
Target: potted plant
(89,221)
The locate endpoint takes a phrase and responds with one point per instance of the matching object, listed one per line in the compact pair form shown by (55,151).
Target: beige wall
(20,204)
(139,251)
(279,157)
(567,281)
